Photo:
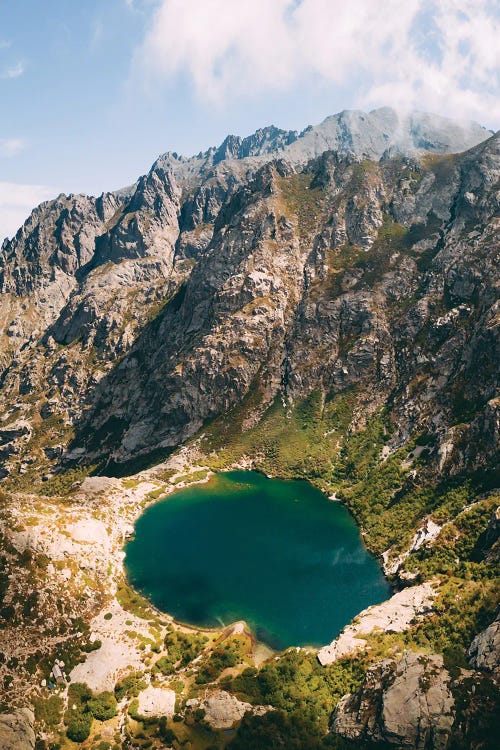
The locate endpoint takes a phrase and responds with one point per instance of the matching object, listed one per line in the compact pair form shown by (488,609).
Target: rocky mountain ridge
(364,134)
(141,242)
(274,282)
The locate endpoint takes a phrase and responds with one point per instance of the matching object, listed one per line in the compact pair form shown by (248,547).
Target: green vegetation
(49,710)
(92,646)
(277,730)
(78,718)
(133,602)
(458,548)
(464,608)
(103,706)
(222,657)
(130,686)
(290,442)
(194,476)
(182,649)
(302,198)
(61,484)
(83,707)
(477,700)
(298,683)
(363,173)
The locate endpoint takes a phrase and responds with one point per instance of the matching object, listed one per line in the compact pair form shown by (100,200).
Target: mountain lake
(278,554)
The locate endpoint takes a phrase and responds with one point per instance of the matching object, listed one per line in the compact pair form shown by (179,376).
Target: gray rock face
(364,134)
(16,730)
(58,237)
(318,299)
(405,705)
(148,224)
(223,710)
(137,316)
(484,651)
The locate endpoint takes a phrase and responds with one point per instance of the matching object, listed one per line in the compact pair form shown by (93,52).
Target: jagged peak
(373,134)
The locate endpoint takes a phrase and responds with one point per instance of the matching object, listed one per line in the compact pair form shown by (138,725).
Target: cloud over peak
(440,55)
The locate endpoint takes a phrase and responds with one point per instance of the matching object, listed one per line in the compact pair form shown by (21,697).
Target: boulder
(156,702)
(223,710)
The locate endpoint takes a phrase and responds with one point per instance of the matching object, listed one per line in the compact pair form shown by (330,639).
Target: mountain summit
(369,135)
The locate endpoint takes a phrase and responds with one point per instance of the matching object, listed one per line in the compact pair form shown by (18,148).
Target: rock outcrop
(484,651)
(16,730)
(223,710)
(392,616)
(407,704)
(156,701)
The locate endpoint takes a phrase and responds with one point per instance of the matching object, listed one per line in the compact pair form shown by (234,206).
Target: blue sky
(92,91)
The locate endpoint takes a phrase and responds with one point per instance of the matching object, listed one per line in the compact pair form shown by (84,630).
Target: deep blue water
(277,554)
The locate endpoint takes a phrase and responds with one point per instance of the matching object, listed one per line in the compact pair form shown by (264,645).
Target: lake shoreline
(295,618)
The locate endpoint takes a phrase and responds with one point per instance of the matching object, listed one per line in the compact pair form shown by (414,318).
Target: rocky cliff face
(139,315)
(349,274)
(413,703)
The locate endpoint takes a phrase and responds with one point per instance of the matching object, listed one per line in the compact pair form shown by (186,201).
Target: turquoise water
(277,554)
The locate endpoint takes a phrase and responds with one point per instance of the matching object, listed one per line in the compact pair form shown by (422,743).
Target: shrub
(49,710)
(277,730)
(94,646)
(222,657)
(103,706)
(83,707)
(297,682)
(78,718)
(182,647)
(130,686)
(78,726)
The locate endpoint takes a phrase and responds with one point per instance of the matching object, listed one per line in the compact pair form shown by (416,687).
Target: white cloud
(16,202)
(441,55)
(11,146)
(14,71)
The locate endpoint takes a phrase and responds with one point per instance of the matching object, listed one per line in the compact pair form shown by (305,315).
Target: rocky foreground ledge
(416,702)
(393,616)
